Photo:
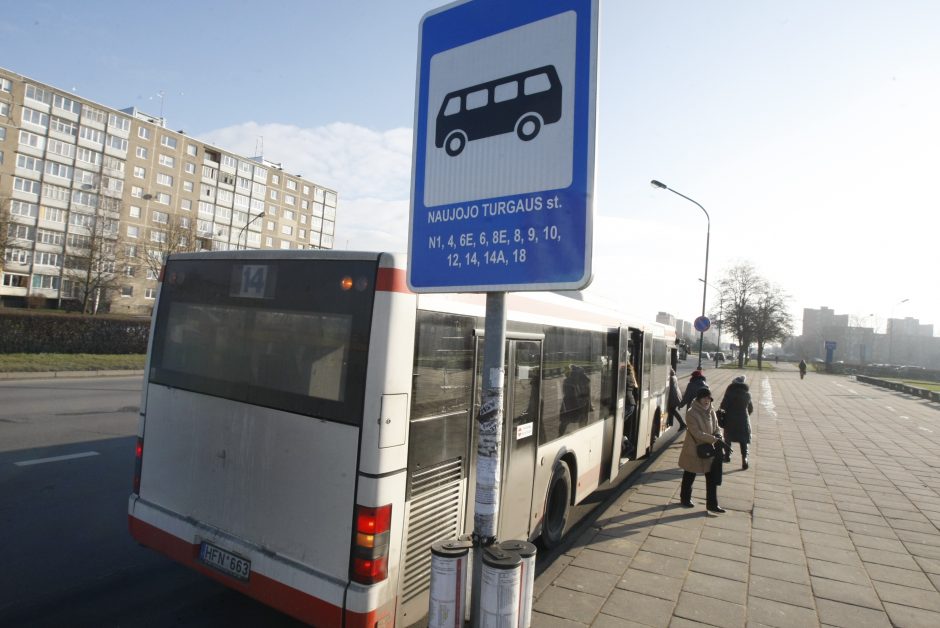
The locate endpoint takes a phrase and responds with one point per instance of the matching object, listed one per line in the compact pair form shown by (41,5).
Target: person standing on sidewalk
(696,383)
(673,403)
(737,406)
(702,425)
(802,369)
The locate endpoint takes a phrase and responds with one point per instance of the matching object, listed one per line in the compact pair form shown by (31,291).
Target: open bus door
(623,353)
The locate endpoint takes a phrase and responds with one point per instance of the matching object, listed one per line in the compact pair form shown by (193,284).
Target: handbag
(704,450)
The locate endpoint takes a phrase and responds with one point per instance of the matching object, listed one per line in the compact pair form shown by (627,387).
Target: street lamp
(663,186)
(241,232)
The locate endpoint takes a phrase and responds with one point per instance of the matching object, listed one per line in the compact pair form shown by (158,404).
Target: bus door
(521,416)
(642,364)
(620,431)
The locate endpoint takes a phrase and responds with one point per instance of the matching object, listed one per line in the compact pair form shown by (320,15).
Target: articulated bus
(307,424)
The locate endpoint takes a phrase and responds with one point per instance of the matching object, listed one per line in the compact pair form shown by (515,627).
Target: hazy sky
(809,130)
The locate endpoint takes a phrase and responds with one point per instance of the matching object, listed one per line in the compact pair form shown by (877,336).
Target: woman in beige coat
(702,425)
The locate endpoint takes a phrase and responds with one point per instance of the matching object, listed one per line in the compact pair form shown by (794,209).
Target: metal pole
(721,315)
(489,443)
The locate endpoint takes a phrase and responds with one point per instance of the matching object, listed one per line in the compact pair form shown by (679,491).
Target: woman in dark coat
(738,407)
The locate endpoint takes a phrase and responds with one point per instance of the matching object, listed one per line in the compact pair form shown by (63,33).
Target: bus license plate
(226,562)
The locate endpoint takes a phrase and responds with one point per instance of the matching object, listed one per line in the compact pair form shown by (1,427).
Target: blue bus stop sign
(702,324)
(503,149)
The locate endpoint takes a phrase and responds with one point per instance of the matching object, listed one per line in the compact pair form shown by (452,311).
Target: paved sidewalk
(834,524)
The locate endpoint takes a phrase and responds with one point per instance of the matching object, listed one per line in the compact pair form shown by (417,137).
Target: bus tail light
(370,552)
(138,463)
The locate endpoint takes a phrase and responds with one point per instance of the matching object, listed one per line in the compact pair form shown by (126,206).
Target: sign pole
(489,443)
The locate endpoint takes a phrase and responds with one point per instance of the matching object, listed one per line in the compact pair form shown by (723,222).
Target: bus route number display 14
(503,169)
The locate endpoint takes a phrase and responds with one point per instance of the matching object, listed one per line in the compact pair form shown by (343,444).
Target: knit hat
(740,379)
(698,373)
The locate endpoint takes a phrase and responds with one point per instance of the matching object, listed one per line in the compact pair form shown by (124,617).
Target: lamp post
(241,232)
(663,186)
(721,316)
(892,332)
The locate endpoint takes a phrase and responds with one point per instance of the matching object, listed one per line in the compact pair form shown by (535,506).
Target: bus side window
(506,91)
(477,99)
(453,106)
(536,84)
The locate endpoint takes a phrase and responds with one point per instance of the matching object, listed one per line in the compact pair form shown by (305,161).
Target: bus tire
(455,143)
(557,505)
(528,127)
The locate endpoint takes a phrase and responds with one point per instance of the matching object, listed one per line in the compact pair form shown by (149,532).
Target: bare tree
(771,318)
(177,235)
(740,287)
(5,221)
(90,260)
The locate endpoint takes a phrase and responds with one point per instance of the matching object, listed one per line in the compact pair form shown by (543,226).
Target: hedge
(31,332)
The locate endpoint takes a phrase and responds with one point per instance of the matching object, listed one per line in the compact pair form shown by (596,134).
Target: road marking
(84,454)
(924,429)
(767,397)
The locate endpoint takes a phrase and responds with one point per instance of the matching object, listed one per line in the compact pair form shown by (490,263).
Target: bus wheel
(455,143)
(528,127)
(556,506)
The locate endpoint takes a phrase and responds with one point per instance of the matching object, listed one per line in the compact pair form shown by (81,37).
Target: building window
(66,104)
(142,152)
(158,236)
(140,172)
(187,186)
(25,162)
(164,179)
(6,85)
(53,214)
(31,116)
(273,195)
(287,230)
(48,282)
(150,293)
(166,160)
(169,142)
(289,199)
(38,94)
(163,198)
(137,191)
(31,139)
(143,133)
(268,241)
(26,185)
(288,214)
(190,168)
(119,122)
(21,208)
(129,271)
(133,231)
(127,291)
(160,217)
(229,161)
(270,225)
(90,114)
(191,150)
(133,211)
(117,143)
(291,184)
(186,204)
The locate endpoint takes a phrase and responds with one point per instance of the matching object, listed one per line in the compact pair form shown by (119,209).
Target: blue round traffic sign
(702,324)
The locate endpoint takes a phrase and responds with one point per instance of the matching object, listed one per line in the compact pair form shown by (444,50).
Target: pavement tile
(872,530)
(895,513)
(778,570)
(864,517)
(783,539)
(781,591)
(913,526)
(778,515)
(857,594)
(615,545)
(924,551)
(647,583)
(896,575)
(907,616)
(722,535)
(777,552)
(675,533)
(908,596)
(644,609)
(548,621)
(710,610)
(832,554)
(919,537)
(568,604)
(929,565)
(885,557)
(877,542)
(730,521)
(836,571)
(723,567)
(857,506)
(669,547)
(775,525)
(601,561)
(808,516)
(765,612)
(552,571)
(723,550)
(657,563)
(832,613)
(587,581)
(609,621)
(707,585)
(840,541)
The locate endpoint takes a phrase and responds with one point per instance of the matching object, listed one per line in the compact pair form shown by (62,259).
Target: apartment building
(92,199)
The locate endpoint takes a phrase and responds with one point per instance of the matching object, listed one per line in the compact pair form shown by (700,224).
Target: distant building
(72,170)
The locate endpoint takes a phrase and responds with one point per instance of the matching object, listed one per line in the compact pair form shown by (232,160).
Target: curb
(69,374)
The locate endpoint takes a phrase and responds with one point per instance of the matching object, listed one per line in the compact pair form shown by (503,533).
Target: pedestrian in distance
(696,383)
(736,409)
(802,369)
(673,403)
(629,413)
(701,428)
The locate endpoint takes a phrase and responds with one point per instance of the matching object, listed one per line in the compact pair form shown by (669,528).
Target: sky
(809,131)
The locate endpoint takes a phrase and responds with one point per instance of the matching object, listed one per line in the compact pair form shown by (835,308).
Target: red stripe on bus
(300,605)
(391,280)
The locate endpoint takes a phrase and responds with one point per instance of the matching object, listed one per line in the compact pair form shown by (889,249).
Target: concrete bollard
(450,564)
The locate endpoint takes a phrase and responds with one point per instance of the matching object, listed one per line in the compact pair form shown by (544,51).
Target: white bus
(307,424)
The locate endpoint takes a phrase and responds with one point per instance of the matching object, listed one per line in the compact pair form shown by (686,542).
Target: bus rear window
(286,334)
